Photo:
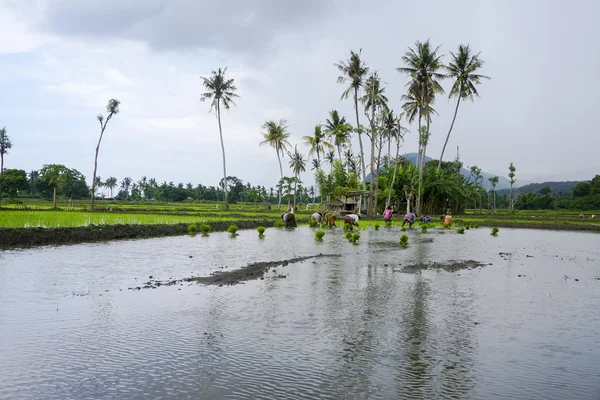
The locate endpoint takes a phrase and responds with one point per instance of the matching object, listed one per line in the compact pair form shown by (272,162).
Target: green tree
(395,131)
(276,136)
(111,184)
(221,91)
(493,182)
(422,65)
(5,145)
(54,175)
(12,181)
(338,130)
(354,71)
(317,143)
(298,165)
(463,69)
(511,177)
(112,108)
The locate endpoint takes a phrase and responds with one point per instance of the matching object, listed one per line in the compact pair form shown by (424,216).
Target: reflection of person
(387,215)
(289,219)
(351,219)
(330,218)
(317,217)
(410,218)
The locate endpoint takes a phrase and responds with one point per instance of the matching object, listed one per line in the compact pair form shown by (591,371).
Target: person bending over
(289,220)
(387,214)
(330,219)
(410,218)
(351,219)
(317,217)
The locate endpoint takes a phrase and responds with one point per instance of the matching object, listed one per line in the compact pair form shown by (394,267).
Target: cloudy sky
(62,60)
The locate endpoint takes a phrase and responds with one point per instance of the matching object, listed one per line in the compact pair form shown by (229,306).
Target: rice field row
(61,219)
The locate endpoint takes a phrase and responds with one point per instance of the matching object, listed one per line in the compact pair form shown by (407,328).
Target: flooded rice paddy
(518,319)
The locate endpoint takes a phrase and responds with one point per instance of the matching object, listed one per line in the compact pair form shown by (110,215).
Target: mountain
(565,187)
(503,183)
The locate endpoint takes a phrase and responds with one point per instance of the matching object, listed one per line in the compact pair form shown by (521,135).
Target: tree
(493,182)
(338,130)
(110,184)
(112,108)
(5,145)
(54,175)
(354,71)
(298,165)
(330,157)
(317,143)
(511,176)
(462,68)
(422,64)
(12,181)
(395,131)
(276,136)
(221,91)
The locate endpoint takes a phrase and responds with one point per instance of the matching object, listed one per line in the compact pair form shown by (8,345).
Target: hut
(347,204)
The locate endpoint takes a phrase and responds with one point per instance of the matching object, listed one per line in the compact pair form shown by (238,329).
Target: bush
(348,235)
(261,231)
(233,230)
(279,224)
(313,223)
(404,240)
(192,229)
(319,234)
(204,229)
(461,231)
(376,226)
(495,231)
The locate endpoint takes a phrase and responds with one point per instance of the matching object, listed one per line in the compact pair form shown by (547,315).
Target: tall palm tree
(298,165)
(462,68)
(338,130)
(493,182)
(221,91)
(317,142)
(374,101)
(422,65)
(111,184)
(330,157)
(354,71)
(5,145)
(316,164)
(396,132)
(276,136)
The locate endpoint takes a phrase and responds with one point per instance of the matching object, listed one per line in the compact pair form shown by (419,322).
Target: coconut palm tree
(221,91)
(5,145)
(330,157)
(374,101)
(511,177)
(317,142)
(316,165)
(111,184)
(298,165)
(112,108)
(422,64)
(276,136)
(338,130)
(462,68)
(493,182)
(354,71)
(396,131)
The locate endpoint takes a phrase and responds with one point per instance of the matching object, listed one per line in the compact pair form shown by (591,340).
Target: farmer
(447,220)
(410,218)
(330,219)
(289,219)
(425,219)
(351,219)
(387,214)
(317,217)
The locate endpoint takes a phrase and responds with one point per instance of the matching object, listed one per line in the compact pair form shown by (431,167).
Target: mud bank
(450,266)
(535,225)
(26,237)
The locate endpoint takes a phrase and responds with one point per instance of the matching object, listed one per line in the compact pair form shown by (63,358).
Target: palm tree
(112,108)
(298,165)
(221,91)
(422,64)
(316,165)
(337,129)
(493,182)
(5,145)
(462,69)
(374,100)
(110,184)
(330,157)
(317,142)
(354,72)
(395,131)
(276,136)
(511,176)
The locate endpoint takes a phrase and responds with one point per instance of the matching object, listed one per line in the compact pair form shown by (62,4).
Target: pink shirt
(388,214)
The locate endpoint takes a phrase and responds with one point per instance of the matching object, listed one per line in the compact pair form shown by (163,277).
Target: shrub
(261,231)
(319,234)
(279,224)
(192,229)
(348,235)
(313,223)
(376,226)
(404,240)
(495,231)
(232,229)
(461,231)
(204,229)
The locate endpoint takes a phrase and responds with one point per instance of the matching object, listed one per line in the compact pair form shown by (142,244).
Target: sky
(62,60)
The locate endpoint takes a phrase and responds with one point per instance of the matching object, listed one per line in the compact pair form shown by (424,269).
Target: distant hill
(565,187)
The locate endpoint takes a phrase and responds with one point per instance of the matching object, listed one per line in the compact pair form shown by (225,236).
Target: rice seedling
(461,231)
(376,226)
(192,229)
(204,228)
(319,235)
(495,231)
(313,223)
(403,240)
(354,238)
(279,224)
(261,231)
(233,230)
(348,235)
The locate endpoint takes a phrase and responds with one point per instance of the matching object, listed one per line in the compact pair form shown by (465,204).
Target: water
(352,327)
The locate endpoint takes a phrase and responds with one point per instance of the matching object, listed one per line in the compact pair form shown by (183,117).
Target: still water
(352,327)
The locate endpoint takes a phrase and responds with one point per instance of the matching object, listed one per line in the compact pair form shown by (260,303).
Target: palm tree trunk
(510,198)
(448,136)
(418,199)
(281,172)
(495,210)
(96,167)
(1,162)
(389,199)
(362,154)
(376,196)
(295,188)
(223,150)
(339,153)
(54,197)
(371,185)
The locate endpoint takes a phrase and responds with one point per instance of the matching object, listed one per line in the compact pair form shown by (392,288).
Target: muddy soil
(450,266)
